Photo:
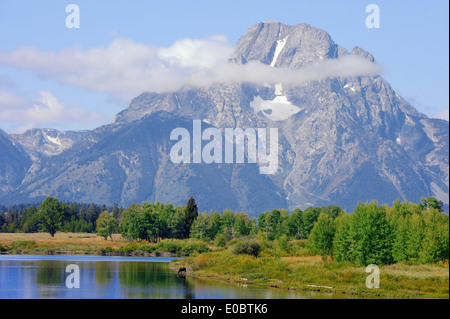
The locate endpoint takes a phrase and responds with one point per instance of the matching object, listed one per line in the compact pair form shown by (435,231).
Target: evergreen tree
(83,213)
(73,211)
(92,213)
(191,213)
(115,211)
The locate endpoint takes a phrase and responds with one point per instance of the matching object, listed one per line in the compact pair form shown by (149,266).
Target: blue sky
(411,45)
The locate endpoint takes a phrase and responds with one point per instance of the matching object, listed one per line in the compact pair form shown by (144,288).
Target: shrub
(108,249)
(147,248)
(254,248)
(250,247)
(130,247)
(220,240)
(283,243)
(180,246)
(194,247)
(21,245)
(169,246)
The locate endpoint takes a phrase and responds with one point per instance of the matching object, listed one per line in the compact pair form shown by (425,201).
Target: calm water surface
(33,277)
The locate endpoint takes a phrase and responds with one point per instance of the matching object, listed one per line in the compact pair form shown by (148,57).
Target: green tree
(176,223)
(83,213)
(73,211)
(371,235)
(415,237)
(283,243)
(148,222)
(92,213)
(309,217)
(276,223)
(216,224)
(431,202)
(322,236)
(106,225)
(342,242)
(295,224)
(52,214)
(332,211)
(191,213)
(115,211)
(2,221)
(220,240)
(435,244)
(130,225)
(29,222)
(242,225)
(262,225)
(200,227)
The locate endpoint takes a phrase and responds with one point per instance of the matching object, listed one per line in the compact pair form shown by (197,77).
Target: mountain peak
(342,140)
(302,45)
(362,53)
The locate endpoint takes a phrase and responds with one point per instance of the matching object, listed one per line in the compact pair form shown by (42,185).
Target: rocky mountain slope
(39,143)
(132,164)
(341,140)
(14,164)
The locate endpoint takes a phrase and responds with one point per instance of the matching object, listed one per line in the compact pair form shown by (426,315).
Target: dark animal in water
(181,272)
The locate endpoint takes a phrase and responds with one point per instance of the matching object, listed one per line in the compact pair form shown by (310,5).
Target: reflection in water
(119,277)
(26,277)
(49,276)
(151,280)
(104,272)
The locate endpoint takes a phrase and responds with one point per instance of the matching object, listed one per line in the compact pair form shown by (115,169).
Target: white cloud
(46,109)
(125,69)
(255,72)
(197,53)
(442,114)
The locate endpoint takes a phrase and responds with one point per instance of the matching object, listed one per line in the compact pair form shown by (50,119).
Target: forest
(371,233)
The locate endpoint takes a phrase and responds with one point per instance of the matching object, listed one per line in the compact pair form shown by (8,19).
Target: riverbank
(310,273)
(91,244)
(296,270)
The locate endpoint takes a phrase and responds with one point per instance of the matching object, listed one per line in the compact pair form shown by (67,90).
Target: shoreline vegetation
(318,249)
(296,270)
(94,245)
(311,273)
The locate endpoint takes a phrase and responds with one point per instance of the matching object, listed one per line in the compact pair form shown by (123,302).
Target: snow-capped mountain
(341,140)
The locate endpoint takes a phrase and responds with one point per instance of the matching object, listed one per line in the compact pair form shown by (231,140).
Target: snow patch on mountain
(278,49)
(278,109)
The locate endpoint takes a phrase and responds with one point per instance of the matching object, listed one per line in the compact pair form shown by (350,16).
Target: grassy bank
(91,244)
(311,273)
(284,266)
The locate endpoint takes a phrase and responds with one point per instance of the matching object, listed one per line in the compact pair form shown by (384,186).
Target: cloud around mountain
(125,68)
(44,109)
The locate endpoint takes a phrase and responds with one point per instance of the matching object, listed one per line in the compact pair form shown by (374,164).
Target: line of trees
(370,234)
(374,234)
(77,218)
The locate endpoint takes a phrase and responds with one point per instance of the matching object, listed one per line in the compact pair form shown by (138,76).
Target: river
(44,277)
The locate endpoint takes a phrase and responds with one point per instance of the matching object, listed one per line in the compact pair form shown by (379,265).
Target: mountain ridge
(341,140)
